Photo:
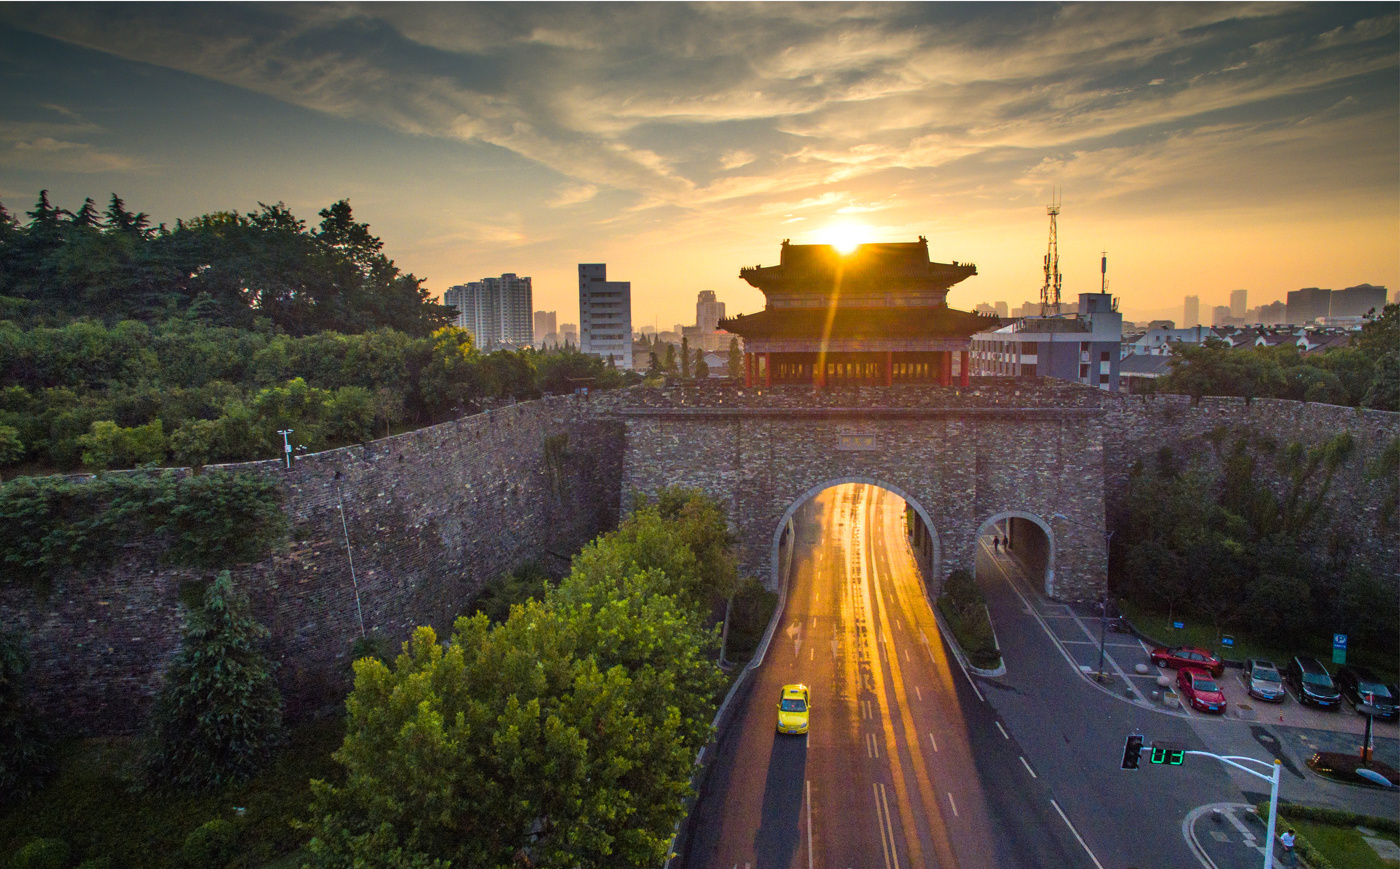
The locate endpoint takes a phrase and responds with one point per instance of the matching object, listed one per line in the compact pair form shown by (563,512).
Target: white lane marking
(918,693)
(882,816)
(812,653)
(814,623)
(953,804)
(1003,730)
(872,746)
(1028,768)
(1076,834)
(809,824)
(934,741)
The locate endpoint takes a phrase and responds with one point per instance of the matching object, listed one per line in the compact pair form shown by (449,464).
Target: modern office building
(1308,304)
(1239,303)
(706,334)
(568,334)
(1273,314)
(605,315)
(1356,301)
(496,311)
(1191,312)
(708,311)
(546,327)
(1083,347)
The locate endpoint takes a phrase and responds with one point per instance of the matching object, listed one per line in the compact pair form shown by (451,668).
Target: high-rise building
(496,311)
(605,315)
(1239,303)
(1308,304)
(1191,312)
(708,312)
(546,327)
(1356,301)
(1220,316)
(568,334)
(1273,314)
(1003,311)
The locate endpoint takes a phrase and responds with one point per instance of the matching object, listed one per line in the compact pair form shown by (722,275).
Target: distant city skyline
(1196,143)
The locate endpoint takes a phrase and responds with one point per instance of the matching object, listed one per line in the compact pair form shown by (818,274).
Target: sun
(845,237)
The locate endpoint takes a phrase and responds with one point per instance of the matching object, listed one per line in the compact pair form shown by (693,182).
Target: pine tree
(736,358)
(685,357)
(701,367)
(220,713)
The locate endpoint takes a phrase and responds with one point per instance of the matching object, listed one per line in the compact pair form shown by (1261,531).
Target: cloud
(666,101)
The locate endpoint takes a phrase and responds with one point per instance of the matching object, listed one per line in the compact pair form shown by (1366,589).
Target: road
(906,765)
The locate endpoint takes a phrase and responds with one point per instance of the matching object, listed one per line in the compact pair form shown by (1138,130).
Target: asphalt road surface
(905,764)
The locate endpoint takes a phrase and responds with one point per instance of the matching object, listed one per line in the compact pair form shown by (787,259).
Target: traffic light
(1169,753)
(1132,748)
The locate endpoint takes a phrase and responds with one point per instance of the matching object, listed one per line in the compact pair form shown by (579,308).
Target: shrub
(42,854)
(220,713)
(24,752)
(212,844)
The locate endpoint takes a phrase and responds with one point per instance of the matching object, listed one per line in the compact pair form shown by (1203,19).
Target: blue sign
(1178,625)
(1227,641)
(1339,641)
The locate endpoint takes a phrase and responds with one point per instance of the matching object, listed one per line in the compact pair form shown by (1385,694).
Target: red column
(767,369)
(945,368)
(819,371)
(748,370)
(889,367)
(962,376)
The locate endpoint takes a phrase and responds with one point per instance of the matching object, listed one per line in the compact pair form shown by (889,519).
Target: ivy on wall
(56,524)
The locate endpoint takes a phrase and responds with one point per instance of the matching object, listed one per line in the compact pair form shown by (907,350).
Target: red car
(1185,656)
(1200,690)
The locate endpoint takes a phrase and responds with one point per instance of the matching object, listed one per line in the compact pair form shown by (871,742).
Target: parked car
(1312,683)
(794,708)
(1359,685)
(1186,656)
(1263,680)
(1199,690)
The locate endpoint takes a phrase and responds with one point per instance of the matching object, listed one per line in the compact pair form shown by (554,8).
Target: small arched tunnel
(1018,542)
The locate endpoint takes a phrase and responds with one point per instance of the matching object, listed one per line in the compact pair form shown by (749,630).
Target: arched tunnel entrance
(891,714)
(1022,542)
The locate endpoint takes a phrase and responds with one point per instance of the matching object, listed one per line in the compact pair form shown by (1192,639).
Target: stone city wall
(1137,427)
(965,457)
(430,516)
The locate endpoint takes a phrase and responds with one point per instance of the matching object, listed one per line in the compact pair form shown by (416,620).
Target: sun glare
(845,237)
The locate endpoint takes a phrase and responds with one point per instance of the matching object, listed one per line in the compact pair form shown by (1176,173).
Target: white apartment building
(605,315)
(498,312)
(1082,347)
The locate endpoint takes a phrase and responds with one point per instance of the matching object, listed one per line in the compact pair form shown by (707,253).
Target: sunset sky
(1205,147)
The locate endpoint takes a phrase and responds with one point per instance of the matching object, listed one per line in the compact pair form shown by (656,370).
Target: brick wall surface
(430,516)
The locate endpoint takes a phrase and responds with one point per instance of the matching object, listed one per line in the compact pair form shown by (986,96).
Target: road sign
(1339,648)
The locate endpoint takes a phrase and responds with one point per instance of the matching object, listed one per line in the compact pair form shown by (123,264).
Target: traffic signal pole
(1273,793)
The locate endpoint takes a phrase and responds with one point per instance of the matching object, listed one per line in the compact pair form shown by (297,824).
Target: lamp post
(1103,615)
(286,446)
(1273,793)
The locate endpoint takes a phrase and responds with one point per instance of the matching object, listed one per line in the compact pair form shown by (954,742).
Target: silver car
(1263,680)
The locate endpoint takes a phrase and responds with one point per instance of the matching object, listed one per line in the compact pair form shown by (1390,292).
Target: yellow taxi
(792,709)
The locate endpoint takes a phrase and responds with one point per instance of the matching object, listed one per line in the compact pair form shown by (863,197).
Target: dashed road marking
(1003,731)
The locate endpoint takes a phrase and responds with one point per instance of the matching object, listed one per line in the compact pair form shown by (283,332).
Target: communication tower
(1050,292)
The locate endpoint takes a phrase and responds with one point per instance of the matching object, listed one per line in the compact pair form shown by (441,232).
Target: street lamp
(1103,614)
(286,446)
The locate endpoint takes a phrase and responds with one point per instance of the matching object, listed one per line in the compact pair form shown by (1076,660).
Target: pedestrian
(1286,840)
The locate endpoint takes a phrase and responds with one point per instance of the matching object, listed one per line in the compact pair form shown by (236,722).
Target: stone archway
(934,573)
(1048,557)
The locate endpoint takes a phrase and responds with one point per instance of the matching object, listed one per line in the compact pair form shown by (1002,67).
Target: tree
(702,368)
(670,366)
(24,747)
(219,713)
(11,447)
(685,357)
(736,359)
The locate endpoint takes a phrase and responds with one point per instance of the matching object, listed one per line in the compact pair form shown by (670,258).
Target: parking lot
(1078,636)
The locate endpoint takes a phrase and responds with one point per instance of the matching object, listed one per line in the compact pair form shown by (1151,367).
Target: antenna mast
(1050,292)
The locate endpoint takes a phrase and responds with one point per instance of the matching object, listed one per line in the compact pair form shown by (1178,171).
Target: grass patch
(96,805)
(1155,624)
(965,610)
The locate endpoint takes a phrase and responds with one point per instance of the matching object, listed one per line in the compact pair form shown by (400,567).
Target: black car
(1359,685)
(1312,683)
